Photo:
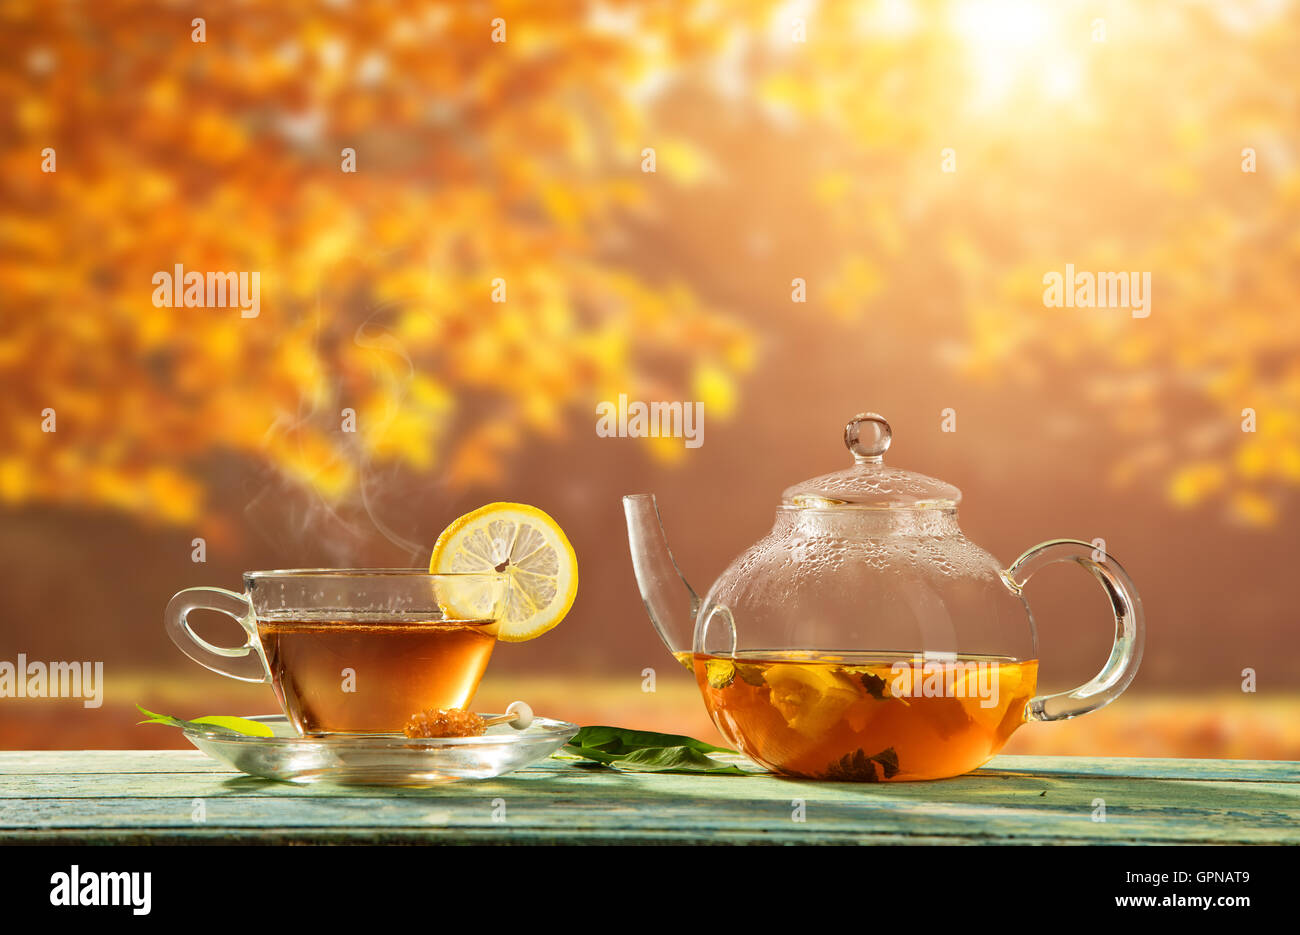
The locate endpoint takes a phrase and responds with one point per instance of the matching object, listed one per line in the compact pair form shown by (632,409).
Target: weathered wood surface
(112,796)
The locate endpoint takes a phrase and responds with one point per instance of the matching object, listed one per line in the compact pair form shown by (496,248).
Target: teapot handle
(1130,630)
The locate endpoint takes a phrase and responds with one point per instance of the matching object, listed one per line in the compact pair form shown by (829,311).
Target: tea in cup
(352,650)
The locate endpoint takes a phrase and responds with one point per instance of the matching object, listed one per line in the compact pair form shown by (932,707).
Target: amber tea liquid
(868,717)
(399,665)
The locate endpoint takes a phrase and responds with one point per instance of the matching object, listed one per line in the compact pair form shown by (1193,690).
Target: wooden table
(171,797)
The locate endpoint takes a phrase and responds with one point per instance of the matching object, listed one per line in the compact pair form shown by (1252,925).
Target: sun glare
(1011,42)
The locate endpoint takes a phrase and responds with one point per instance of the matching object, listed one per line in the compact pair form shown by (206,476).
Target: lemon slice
(529,548)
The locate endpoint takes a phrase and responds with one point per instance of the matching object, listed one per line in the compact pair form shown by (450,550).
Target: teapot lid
(869,484)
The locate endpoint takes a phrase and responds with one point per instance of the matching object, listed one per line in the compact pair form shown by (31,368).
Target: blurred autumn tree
(1111,136)
(480,165)
(1116,150)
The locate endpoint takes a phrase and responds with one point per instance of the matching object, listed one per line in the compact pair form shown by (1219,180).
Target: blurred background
(648,181)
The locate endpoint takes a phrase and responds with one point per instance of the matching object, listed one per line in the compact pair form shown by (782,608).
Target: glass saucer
(382,759)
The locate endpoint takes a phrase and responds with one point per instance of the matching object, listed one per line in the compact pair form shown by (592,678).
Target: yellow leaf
(714,387)
(683,161)
(1192,484)
(1253,509)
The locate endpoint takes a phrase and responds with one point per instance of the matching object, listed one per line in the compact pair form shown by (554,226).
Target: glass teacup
(351,650)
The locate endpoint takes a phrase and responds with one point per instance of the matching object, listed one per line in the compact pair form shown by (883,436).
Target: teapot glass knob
(868,436)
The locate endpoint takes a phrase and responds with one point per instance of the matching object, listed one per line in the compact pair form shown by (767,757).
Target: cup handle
(246,662)
(1130,630)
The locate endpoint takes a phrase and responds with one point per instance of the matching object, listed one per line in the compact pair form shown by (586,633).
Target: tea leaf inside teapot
(859,767)
(874,685)
(719,672)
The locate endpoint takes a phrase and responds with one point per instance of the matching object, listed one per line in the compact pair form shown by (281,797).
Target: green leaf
(219,722)
(675,760)
(624,740)
(649,752)
(238,724)
(591,753)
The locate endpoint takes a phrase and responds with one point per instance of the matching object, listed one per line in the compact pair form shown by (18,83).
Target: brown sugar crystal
(438,723)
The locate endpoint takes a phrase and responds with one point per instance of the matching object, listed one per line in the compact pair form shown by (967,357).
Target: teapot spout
(669,600)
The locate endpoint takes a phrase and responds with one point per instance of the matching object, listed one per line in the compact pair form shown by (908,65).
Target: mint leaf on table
(624,740)
(675,760)
(218,722)
(644,751)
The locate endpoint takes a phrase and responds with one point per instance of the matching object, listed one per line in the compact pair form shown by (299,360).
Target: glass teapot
(865,637)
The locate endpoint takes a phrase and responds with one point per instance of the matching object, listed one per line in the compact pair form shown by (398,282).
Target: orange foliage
(475,162)
(521,162)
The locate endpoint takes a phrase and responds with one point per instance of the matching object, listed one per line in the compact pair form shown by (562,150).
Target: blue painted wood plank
(181,796)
